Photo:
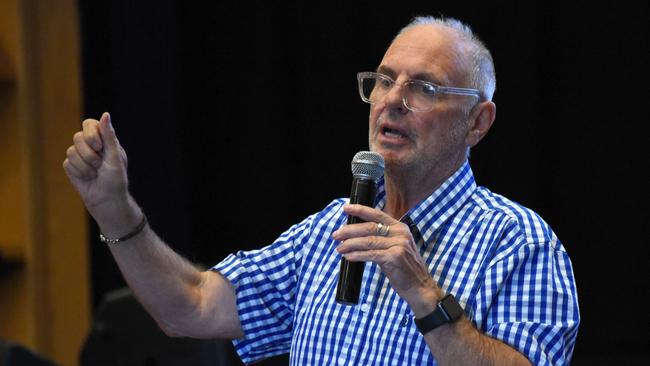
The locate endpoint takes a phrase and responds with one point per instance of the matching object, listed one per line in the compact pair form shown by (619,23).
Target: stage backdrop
(241,118)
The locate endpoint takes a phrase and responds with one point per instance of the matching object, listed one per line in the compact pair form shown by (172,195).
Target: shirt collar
(434,210)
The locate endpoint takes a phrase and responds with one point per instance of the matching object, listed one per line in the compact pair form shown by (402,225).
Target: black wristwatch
(447,310)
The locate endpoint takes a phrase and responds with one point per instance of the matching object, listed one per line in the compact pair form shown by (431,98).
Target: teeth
(389,132)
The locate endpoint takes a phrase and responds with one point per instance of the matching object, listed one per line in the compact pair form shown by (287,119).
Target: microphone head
(368,164)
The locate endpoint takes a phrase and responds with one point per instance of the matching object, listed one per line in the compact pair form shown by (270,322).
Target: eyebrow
(385,70)
(424,76)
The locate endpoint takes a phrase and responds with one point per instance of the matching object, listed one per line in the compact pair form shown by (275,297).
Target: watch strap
(447,310)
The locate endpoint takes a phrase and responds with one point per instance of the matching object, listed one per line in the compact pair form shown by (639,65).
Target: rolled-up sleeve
(534,304)
(265,284)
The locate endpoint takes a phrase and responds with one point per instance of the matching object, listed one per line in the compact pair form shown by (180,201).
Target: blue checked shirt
(500,260)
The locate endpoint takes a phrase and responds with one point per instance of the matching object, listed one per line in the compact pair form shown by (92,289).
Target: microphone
(367,169)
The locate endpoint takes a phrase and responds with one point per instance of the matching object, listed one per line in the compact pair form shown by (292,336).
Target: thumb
(109,139)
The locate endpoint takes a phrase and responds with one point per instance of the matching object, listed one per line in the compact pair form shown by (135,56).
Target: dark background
(241,118)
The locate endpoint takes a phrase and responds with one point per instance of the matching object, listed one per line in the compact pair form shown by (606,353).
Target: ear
(481,118)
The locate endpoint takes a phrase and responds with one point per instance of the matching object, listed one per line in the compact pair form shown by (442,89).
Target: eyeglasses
(417,95)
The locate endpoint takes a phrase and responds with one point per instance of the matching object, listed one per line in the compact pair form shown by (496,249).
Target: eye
(427,89)
(384,83)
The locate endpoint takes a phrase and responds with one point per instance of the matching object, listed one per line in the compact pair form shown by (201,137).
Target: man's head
(479,64)
(443,52)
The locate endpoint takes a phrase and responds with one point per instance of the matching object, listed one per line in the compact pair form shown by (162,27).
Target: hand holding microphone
(367,170)
(374,236)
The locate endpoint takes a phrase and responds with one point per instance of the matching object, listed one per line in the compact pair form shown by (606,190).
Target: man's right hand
(96,166)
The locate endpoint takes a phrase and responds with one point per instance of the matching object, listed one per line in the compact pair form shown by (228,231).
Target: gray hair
(481,68)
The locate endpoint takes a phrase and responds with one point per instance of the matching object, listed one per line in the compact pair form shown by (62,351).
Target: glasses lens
(420,96)
(373,88)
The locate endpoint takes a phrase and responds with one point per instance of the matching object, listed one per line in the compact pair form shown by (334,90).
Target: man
(456,275)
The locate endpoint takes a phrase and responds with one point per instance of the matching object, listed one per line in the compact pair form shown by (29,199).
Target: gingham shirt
(503,264)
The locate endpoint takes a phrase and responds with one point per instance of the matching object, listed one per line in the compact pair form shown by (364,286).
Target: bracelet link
(134,232)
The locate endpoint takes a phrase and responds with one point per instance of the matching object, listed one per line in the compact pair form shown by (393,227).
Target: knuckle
(376,242)
(371,228)
(370,243)
(80,141)
(90,133)
(374,257)
(401,229)
(94,161)
(92,139)
(71,152)
(89,122)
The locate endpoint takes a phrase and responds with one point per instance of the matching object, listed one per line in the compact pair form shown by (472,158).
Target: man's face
(424,142)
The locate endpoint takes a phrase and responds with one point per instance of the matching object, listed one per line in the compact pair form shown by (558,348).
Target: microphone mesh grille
(368,164)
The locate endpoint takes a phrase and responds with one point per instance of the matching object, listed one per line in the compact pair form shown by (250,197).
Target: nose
(394,100)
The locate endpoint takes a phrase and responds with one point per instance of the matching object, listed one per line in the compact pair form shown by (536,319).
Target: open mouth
(389,132)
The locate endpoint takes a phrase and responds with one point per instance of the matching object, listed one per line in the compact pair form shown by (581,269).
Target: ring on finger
(382,230)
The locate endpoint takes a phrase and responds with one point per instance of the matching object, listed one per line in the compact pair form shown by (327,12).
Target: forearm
(461,343)
(176,293)
(182,299)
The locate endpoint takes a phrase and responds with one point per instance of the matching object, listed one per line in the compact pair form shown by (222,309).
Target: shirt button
(405,320)
(365,308)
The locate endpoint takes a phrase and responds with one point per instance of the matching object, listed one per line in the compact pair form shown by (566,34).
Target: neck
(405,189)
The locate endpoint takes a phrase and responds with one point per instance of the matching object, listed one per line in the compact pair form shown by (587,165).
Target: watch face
(451,307)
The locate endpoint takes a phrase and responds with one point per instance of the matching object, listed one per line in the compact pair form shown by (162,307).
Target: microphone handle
(351,273)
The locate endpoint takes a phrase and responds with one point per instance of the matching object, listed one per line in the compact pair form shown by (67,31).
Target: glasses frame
(438,89)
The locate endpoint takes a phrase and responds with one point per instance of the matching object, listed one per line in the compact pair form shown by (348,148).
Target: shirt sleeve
(265,285)
(534,304)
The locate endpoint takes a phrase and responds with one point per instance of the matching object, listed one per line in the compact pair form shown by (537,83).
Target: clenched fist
(96,166)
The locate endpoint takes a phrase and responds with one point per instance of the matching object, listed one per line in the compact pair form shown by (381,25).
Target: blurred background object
(123,333)
(12,354)
(44,276)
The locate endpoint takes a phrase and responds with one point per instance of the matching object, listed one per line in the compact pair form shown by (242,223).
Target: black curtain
(240,119)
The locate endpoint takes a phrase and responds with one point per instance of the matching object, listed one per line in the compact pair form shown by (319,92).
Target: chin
(387,153)
(394,161)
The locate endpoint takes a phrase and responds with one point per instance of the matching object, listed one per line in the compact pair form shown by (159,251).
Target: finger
(364,244)
(109,139)
(375,256)
(368,214)
(87,153)
(355,230)
(83,169)
(73,172)
(90,128)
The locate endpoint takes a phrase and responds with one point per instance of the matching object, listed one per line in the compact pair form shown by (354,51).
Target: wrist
(137,230)
(447,311)
(425,301)
(116,218)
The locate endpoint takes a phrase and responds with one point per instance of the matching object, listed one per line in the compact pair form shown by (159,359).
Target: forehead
(426,50)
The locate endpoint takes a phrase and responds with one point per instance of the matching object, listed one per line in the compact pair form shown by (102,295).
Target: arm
(183,300)
(459,343)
